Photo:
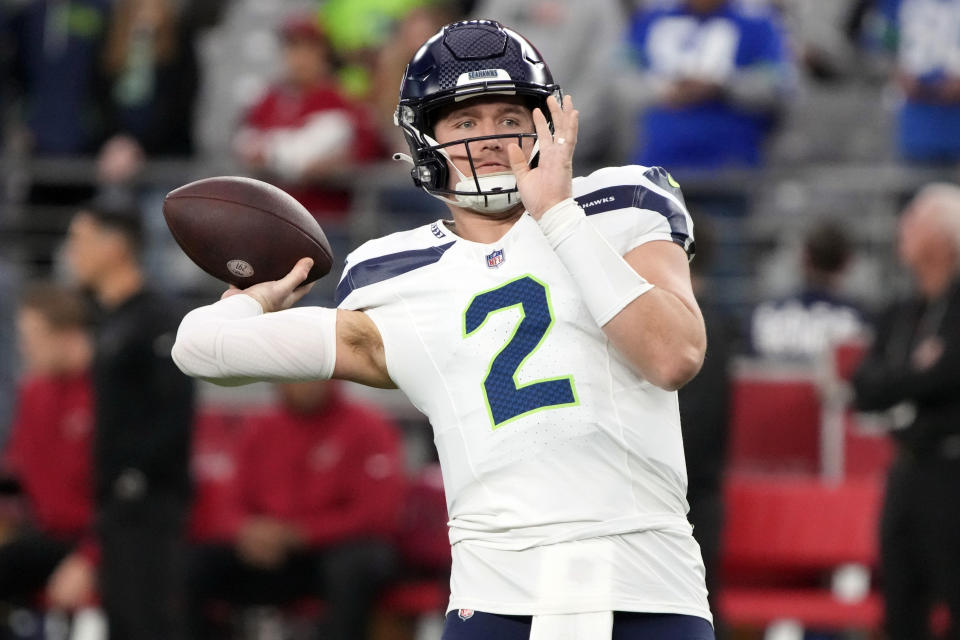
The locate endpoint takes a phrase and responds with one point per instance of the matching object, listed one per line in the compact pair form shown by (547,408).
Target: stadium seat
(867,451)
(866,448)
(775,420)
(785,537)
(846,357)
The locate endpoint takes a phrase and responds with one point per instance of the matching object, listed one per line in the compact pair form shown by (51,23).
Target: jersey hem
(582,606)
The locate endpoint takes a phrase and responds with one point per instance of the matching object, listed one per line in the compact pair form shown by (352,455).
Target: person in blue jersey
(543,329)
(712,77)
(56,48)
(927,38)
(806,325)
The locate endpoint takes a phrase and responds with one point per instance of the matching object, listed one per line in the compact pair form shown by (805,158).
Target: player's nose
(491,144)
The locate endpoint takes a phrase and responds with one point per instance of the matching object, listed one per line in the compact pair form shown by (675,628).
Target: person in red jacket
(48,453)
(322,482)
(303,129)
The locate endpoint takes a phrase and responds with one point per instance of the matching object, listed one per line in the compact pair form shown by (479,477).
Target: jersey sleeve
(633,205)
(371,273)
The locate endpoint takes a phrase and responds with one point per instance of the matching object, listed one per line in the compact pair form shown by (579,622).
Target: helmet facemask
(491,193)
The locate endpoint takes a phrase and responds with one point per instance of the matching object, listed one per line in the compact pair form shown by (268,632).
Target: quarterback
(543,330)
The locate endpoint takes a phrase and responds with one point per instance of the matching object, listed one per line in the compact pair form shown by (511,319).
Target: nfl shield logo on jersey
(465,614)
(495,259)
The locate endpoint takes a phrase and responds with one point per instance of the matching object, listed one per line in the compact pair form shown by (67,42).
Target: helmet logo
(481,75)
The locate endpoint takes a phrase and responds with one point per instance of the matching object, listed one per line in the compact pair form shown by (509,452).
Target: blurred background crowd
(801,131)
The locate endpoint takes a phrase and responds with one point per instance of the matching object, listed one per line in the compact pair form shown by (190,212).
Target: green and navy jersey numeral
(507,399)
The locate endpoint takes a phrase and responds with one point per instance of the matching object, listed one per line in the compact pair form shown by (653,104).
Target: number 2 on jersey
(506,398)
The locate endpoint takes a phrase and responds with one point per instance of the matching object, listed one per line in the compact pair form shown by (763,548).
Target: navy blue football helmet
(465,60)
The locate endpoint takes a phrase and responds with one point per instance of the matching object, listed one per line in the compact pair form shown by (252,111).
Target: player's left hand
(263,542)
(72,584)
(552,180)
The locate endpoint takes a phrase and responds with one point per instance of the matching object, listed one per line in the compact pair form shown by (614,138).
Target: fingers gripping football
(276,295)
(552,180)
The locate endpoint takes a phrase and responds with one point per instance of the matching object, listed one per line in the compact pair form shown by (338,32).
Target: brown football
(244,231)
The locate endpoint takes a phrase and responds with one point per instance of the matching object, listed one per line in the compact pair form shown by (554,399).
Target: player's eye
(464,124)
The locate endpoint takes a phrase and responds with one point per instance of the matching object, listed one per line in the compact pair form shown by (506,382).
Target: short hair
(828,246)
(944,200)
(120,216)
(62,307)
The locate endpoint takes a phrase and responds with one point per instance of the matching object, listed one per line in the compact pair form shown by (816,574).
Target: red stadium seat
(846,358)
(816,609)
(866,452)
(784,536)
(775,421)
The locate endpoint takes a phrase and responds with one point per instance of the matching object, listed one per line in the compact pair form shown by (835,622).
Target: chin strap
(499,192)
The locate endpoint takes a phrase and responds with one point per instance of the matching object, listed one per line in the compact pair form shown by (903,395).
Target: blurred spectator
(239,57)
(322,484)
(413,29)
(149,83)
(48,454)
(150,80)
(712,77)
(580,39)
(358,29)
(704,419)
(807,324)
(56,46)
(928,45)
(913,370)
(9,279)
(304,129)
(143,414)
(824,36)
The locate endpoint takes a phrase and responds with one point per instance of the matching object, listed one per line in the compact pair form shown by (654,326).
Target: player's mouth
(491,167)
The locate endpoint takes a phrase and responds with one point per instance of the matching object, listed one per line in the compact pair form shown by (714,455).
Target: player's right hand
(277,295)
(552,180)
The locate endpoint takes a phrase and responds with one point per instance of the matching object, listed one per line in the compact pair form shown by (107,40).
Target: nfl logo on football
(495,259)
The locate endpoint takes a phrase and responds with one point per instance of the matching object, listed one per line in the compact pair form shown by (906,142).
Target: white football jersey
(563,468)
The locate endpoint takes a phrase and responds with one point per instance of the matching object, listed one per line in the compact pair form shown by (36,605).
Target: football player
(543,330)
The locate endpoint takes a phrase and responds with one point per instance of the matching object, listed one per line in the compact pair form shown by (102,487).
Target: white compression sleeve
(606,281)
(233,342)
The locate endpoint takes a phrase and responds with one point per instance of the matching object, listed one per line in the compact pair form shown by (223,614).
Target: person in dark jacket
(705,420)
(143,410)
(913,370)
